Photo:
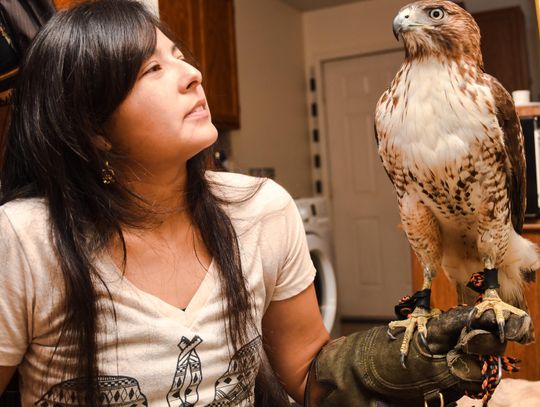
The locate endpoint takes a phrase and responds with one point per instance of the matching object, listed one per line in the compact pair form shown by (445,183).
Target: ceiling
(306,5)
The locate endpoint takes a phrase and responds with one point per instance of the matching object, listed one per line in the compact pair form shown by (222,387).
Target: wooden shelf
(528,110)
(531,225)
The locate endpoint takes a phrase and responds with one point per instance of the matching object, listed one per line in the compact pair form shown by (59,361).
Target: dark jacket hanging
(20,20)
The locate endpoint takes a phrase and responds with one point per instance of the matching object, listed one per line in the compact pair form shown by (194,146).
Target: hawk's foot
(492,301)
(416,320)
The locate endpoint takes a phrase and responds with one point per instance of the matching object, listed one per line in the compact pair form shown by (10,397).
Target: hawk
(450,140)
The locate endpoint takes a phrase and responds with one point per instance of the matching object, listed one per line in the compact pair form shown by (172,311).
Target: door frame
(318,122)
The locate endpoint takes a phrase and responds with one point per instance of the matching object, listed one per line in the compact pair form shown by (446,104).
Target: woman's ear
(102,143)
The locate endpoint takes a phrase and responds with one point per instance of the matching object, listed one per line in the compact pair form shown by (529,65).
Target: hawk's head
(438,28)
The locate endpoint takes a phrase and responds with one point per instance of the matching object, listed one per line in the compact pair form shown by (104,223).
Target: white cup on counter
(521,97)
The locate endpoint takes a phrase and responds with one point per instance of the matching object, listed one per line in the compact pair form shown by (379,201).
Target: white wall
(272,85)
(350,29)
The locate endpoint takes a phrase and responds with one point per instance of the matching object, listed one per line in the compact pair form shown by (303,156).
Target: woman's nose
(190,77)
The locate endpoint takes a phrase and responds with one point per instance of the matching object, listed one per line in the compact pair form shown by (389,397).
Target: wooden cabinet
(444,296)
(62,4)
(207,28)
(504,46)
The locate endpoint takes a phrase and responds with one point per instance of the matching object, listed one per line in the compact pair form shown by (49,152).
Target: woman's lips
(199,112)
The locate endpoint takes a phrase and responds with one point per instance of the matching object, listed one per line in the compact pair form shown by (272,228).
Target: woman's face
(164,121)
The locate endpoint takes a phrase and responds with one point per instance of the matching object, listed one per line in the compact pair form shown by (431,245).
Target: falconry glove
(364,369)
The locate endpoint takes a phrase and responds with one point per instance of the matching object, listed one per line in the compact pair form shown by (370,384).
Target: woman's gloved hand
(365,367)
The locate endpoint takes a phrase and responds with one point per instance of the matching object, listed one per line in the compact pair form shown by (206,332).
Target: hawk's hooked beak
(402,22)
(396,29)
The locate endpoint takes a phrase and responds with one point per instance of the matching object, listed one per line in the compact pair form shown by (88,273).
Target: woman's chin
(214,131)
(210,135)
(206,137)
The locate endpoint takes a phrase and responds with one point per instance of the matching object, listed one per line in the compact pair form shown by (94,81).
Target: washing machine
(315,215)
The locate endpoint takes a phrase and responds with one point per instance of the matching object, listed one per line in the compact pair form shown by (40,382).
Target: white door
(373,263)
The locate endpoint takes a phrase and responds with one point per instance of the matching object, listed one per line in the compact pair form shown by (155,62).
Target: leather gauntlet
(364,369)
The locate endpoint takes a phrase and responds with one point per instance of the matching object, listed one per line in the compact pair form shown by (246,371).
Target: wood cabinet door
(207,28)
(529,354)
(504,46)
(218,60)
(62,4)
(180,18)
(444,296)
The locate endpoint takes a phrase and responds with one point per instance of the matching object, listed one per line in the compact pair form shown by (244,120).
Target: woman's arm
(6,372)
(293,334)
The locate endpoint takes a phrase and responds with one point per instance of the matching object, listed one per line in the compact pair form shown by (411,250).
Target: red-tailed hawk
(451,142)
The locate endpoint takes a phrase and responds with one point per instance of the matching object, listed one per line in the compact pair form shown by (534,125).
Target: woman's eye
(181,57)
(153,68)
(436,13)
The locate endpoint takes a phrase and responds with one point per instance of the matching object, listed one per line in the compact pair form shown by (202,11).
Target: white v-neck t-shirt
(155,354)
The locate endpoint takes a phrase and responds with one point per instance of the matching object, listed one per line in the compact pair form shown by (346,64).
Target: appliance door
(325,279)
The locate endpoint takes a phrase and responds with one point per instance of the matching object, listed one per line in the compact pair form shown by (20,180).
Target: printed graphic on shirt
(184,390)
(237,384)
(114,391)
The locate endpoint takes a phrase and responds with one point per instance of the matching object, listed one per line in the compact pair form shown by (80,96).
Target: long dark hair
(77,71)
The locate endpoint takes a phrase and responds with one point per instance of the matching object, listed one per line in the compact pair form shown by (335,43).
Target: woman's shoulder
(25,216)
(262,193)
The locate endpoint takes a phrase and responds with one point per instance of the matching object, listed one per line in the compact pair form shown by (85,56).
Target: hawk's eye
(436,13)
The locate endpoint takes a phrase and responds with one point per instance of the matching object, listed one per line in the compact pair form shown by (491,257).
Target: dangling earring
(107,174)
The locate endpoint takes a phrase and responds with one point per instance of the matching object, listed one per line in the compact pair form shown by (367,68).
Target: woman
(132,275)
(113,159)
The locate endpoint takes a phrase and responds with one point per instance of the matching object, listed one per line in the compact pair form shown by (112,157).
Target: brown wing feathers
(513,143)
